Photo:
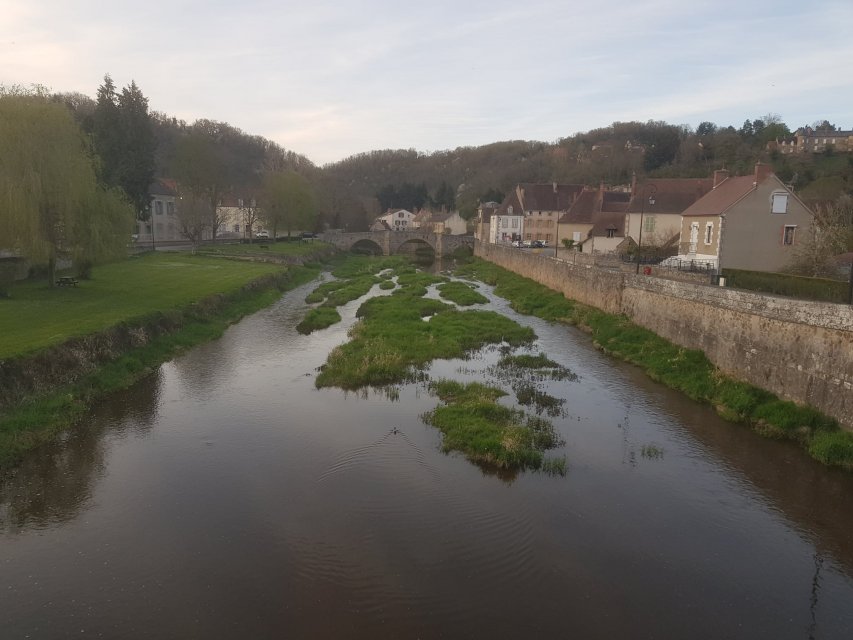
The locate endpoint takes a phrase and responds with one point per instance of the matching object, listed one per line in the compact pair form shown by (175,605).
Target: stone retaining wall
(799,350)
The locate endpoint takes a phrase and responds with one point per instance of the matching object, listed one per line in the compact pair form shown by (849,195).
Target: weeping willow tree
(51,204)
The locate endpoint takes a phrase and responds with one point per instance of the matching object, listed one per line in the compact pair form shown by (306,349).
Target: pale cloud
(332,79)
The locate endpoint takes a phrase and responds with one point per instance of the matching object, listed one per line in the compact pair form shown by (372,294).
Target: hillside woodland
(351,192)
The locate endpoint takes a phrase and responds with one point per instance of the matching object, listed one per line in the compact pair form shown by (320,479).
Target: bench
(66,281)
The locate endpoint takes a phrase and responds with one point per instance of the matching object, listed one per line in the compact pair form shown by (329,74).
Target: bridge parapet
(390,242)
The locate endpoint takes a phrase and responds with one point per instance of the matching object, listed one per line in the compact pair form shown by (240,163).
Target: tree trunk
(51,271)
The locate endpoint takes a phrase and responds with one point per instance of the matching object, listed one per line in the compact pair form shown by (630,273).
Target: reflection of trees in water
(201,369)
(54,484)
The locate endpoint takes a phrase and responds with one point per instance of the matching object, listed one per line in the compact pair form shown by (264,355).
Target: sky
(329,80)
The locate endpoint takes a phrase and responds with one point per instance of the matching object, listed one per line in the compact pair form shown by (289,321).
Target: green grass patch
(394,338)
(685,370)
(473,423)
(37,316)
(296,249)
(317,319)
(37,420)
(783,284)
(387,284)
(461,293)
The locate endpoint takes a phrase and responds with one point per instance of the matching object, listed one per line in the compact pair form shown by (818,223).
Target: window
(788,234)
(709,232)
(547,237)
(515,223)
(399,214)
(158,207)
(780,203)
(611,232)
(170,208)
(509,209)
(236,228)
(648,224)
(576,236)
(240,202)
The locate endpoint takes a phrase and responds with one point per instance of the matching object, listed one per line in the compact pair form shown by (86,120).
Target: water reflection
(55,484)
(226,496)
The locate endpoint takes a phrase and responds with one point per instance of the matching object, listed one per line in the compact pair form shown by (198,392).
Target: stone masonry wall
(799,350)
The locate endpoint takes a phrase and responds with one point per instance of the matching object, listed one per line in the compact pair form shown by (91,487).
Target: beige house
(658,204)
(443,222)
(485,211)
(749,222)
(814,141)
(238,217)
(542,205)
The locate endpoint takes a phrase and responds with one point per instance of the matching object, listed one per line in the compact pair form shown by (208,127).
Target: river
(224,496)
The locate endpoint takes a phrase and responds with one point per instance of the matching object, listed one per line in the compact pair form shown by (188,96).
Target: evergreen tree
(124,141)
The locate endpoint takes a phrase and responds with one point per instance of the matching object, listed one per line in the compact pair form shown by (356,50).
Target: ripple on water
(409,526)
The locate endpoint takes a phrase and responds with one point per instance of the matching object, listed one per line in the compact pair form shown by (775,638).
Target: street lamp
(653,190)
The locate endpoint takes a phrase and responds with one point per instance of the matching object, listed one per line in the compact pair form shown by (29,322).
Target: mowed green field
(294,248)
(36,316)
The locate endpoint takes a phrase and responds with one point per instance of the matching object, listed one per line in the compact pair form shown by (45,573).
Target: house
(380,225)
(397,219)
(485,210)
(751,222)
(814,140)
(162,221)
(443,222)
(504,228)
(596,220)
(238,217)
(658,203)
(541,205)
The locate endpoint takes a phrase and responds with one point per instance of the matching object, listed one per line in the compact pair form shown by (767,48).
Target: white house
(397,219)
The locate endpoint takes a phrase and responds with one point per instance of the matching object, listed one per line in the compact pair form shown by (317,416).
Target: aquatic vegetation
(473,423)
(392,340)
(461,293)
(529,395)
(685,370)
(539,364)
(317,319)
(651,452)
(387,284)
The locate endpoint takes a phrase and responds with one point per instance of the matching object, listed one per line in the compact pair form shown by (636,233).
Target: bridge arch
(367,245)
(391,242)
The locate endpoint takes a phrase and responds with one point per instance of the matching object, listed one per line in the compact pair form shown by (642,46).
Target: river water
(225,497)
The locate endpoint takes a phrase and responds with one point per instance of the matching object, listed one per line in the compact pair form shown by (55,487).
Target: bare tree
(830,234)
(193,216)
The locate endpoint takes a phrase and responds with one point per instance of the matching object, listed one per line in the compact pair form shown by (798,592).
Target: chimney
(719,176)
(555,186)
(762,171)
(633,183)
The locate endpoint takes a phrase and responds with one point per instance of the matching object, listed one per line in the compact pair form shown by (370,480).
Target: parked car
(262,234)
(527,244)
(538,244)
(517,243)
(307,235)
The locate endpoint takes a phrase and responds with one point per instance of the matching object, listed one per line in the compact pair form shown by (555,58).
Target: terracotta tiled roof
(583,209)
(510,200)
(672,195)
(549,197)
(163,187)
(719,200)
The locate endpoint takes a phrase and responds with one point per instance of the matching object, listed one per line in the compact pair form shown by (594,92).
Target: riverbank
(685,370)
(44,391)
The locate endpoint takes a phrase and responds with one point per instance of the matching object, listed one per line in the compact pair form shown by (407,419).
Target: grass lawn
(36,316)
(295,248)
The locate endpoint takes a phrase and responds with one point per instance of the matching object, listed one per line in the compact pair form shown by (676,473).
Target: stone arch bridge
(392,242)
